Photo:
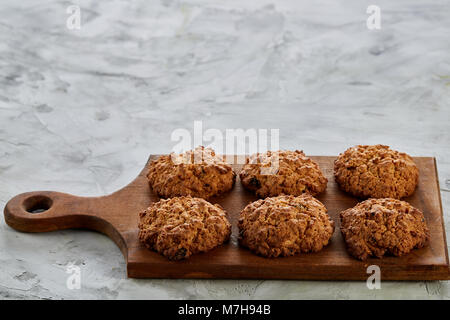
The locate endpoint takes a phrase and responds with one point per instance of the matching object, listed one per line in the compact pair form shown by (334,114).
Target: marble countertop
(81,110)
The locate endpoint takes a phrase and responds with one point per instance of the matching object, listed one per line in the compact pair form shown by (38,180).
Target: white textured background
(80,111)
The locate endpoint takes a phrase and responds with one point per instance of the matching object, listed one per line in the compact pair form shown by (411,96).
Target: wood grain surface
(116,215)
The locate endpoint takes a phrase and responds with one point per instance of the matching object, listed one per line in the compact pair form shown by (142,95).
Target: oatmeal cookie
(198,173)
(376,172)
(383,226)
(296,174)
(285,225)
(182,226)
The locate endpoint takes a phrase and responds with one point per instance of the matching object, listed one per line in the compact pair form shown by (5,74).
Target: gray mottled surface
(80,111)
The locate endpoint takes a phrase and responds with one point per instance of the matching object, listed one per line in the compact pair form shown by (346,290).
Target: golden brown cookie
(182,226)
(383,226)
(198,173)
(376,172)
(296,174)
(285,225)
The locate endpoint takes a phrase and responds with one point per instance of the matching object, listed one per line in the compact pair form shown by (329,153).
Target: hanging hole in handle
(37,204)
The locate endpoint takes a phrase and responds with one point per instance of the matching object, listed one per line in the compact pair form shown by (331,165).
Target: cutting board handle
(43,211)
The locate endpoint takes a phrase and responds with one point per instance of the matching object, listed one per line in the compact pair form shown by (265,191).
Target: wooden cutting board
(116,215)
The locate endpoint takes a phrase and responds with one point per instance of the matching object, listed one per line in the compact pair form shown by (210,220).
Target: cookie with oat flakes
(287,172)
(376,227)
(182,226)
(197,173)
(285,225)
(376,171)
